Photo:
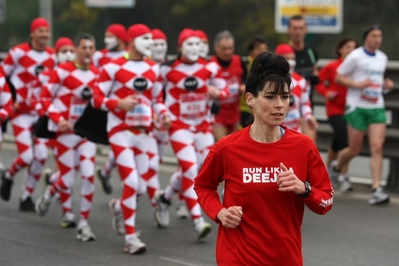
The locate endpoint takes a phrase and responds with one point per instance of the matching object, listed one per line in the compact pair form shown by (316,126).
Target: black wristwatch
(308,189)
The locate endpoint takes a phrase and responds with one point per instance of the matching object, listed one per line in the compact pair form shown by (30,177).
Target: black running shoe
(27,205)
(5,189)
(104,180)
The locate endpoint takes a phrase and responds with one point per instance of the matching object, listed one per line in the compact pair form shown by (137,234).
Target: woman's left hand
(288,181)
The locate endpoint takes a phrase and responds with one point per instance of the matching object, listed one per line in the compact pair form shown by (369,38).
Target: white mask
(191,48)
(64,57)
(111,43)
(143,44)
(159,49)
(292,64)
(204,49)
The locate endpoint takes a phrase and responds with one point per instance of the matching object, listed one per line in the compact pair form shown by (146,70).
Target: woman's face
(347,48)
(269,108)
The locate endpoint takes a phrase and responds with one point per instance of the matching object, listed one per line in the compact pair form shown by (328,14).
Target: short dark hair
(268,68)
(255,41)
(84,36)
(342,42)
(296,17)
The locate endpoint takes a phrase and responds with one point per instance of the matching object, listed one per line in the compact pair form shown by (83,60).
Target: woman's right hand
(231,217)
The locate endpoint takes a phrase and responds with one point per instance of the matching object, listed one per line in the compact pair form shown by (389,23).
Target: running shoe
(26,205)
(6,185)
(43,202)
(118,222)
(181,211)
(346,185)
(201,228)
(46,174)
(104,180)
(334,174)
(133,245)
(162,215)
(378,197)
(68,220)
(85,234)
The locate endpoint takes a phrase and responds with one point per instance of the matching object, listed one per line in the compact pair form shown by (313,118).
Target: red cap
(158,34)
(137,30)
(37,23)
(185,34)
(283,49)
(202,34)
(62,42)
(118,30)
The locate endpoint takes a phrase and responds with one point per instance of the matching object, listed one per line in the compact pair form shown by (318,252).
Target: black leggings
(340,135)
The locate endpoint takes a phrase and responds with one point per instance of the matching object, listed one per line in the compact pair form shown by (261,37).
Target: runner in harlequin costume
(300,105)
(65,51)
(115,40)
(22,65)
(189,82)
(6,102)
(115,47)
(70,87)
(125,89)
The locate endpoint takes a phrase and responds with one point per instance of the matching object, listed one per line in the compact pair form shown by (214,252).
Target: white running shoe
(345,186)
(133,245)
(42,204)
(68,220)
(118,222)
(378,197)
(85,234)
(201,228)
(334,174)
(162,215)
(182,211)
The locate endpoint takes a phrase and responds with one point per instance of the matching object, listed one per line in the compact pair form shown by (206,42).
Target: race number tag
(371,94)
(193,106)
(76,110)
(141,115)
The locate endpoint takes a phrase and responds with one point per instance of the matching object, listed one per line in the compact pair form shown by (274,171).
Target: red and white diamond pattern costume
(190,132)
(22,65)
(73,152)
(301,107)
(128,131)
(104,56)
(6,102)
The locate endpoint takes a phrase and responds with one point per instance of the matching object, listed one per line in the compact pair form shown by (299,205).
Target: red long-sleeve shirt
(270,230)
(327,83)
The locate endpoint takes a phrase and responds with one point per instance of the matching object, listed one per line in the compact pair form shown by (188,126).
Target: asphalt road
(352,233)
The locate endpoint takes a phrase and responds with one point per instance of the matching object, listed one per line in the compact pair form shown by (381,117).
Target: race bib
(141,115)
(76,110)
(193,106)
(371,94)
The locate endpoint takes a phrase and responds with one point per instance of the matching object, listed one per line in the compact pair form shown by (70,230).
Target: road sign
(3,10)
(322,16)
(110,3)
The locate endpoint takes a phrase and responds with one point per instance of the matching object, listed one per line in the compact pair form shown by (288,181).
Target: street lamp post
(46,11)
